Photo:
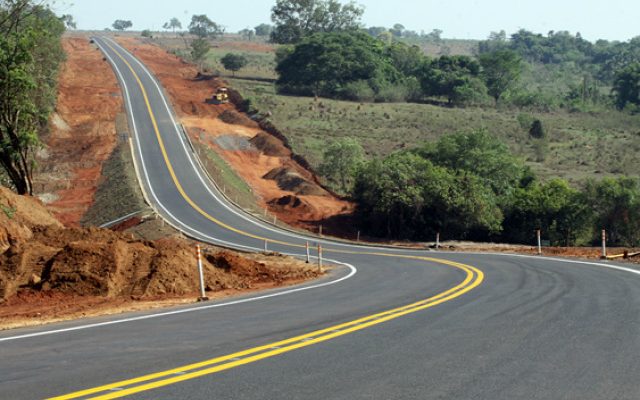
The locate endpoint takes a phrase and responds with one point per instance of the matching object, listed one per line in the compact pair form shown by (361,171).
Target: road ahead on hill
(385,324)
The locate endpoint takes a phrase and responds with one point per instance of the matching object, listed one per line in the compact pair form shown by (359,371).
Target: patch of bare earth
(82,132)
(51,273)
(280,184)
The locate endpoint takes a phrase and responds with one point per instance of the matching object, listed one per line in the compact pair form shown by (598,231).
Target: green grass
(580,145)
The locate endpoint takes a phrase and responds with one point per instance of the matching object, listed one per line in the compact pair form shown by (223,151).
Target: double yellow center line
(473,278)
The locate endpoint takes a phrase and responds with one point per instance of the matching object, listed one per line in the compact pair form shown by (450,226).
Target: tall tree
(501,69)
(202,27)
(122,25)
(30,54)
(263,29)
(626,86)
(341,161)
(199,50)
(295,19)
(234,62)
(173,24)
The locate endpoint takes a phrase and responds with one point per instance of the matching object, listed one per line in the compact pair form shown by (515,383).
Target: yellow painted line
(474,278)
(170,166)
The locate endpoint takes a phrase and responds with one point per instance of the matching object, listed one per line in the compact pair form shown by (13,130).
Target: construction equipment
(221,96)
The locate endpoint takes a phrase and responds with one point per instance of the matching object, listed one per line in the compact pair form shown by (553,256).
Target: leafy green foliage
(447,75)
(199,49)
(122,25)
(323,64)
(616,205)
(479,153)
(202,27)
(501,70)
(263,30)
(173,24)
(30,55)
(560,212)
(297,19)
(146,33)
(341,160)
(406,196)
(234,62)
(626,86)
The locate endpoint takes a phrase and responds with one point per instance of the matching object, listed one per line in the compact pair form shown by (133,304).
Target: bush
(147,33)
(537,130)
(358,91)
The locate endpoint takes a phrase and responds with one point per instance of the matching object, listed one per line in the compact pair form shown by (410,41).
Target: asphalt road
(386,323)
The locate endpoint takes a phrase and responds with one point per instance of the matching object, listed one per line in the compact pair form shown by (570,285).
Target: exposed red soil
(204,122)
(82,132)
(49,272)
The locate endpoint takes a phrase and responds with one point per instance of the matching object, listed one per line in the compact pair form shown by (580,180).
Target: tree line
(469,186)
(30,56)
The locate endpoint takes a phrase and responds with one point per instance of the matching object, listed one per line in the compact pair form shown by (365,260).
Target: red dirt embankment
(281,184)
(82,132)
(48,272)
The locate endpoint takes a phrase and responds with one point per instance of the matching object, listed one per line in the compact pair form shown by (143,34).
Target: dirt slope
(82,132)
(261,159)
(49,271)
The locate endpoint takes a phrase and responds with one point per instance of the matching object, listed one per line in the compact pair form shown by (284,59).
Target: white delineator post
(538,235)
(438,240)
(604,244)
(265,246)
(203,296)
(319,257)
(308,255)
(358,237)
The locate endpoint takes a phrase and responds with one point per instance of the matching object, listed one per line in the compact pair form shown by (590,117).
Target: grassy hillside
(579,145)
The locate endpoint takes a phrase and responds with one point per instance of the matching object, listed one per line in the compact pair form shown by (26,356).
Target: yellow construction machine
(221,96)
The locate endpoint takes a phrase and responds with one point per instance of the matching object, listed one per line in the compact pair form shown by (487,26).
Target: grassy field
(578,145)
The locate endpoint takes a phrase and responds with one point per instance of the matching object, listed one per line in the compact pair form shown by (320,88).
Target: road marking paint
(473,278)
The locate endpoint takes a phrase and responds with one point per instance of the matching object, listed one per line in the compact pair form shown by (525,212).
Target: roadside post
(308,255)
(320,230)
(358,237)
(538,235)
(437,240)
(265,246)
(203,296)
(319,257)
(604,244)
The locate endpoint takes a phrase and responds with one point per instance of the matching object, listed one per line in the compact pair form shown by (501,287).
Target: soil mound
(270,145)
(40,256)
(233,117)
(290,180)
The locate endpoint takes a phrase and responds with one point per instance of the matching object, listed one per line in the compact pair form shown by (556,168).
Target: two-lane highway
(409,324)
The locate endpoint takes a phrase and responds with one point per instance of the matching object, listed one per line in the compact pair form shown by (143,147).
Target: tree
(442,76)
(122,25)
(69,21)
(501,70)
(626,86)
(559,211)
(234,62)
(397,30)
(324,63)
(146,33)
(247,34)
(480,153)
(199,49)
(616,204)
(202,27)
(296,19)
(263,30)
(30,55)
(341,161)
(173,24)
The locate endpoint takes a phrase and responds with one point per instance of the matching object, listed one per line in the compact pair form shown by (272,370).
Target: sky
(459,19)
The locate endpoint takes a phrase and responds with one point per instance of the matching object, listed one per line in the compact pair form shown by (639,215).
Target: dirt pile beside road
(82,132)
(49,271)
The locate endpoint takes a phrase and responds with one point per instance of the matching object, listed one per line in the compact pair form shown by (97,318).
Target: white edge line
(352,272)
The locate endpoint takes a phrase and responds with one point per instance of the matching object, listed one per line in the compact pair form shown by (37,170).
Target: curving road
(386,324)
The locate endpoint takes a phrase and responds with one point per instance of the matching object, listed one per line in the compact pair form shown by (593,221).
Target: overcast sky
(461,19)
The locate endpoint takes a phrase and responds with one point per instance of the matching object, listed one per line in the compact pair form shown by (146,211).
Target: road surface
(385,324)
